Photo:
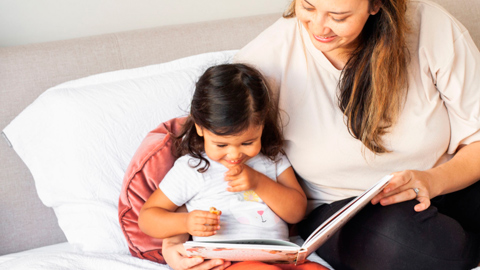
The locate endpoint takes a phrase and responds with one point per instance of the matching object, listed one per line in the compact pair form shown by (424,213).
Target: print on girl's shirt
(248,208)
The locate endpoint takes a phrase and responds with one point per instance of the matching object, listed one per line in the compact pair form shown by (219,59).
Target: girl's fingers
(205,217)
(205,230)
(234,170)
(211,221)
(236,188)
(236,185)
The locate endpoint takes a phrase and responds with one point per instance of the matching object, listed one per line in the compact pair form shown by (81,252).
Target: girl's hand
(175,256)
(202,223)
(402,188)
(241,178)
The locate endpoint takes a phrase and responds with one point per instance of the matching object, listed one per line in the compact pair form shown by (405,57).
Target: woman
(373,87)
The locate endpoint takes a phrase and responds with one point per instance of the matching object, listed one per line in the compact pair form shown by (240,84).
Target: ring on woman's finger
(416,190)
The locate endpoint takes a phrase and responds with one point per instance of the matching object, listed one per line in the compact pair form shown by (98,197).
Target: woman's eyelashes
(339,20)
(310,9)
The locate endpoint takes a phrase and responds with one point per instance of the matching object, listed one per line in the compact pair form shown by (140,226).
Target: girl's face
(232,149)
(333,25)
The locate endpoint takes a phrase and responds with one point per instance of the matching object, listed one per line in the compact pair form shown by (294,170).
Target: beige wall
(33,21)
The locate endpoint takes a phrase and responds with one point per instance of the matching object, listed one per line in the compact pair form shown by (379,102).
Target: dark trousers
(445,236)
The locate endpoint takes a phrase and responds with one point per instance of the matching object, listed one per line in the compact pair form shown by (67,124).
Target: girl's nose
(234,154)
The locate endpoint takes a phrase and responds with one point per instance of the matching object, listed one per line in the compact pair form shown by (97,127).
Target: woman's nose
(319,25)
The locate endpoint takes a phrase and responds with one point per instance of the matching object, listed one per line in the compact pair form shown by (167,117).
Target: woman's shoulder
(428,14)
(270,51)
(278,31)
(272,40)
(434,33)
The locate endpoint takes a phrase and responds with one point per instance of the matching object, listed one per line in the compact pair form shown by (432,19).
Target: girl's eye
(221,145)
(247,143)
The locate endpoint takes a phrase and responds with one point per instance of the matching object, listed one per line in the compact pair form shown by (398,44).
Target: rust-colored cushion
(152,160)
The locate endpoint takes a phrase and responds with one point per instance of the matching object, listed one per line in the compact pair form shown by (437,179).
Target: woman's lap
(397,237)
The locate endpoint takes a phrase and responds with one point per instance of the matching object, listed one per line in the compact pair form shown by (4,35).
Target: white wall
(32,21)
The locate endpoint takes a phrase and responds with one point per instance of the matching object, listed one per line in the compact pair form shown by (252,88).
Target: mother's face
(333,25)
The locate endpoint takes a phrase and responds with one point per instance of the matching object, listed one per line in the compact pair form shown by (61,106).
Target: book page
(337,220)
(256,241)
(278,251)
(244,252)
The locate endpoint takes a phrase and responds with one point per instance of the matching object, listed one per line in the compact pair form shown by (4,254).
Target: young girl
(231,159)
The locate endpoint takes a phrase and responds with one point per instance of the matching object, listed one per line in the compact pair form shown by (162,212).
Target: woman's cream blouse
(441,111)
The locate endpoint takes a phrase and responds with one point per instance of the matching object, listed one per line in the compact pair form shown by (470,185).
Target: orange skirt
(254,265)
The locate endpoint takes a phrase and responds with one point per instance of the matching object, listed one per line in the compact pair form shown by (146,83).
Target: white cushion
(78,138)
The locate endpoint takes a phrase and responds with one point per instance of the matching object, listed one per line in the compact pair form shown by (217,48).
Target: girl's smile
(230,150)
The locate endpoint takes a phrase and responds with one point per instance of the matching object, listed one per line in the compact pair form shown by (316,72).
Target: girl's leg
(303,266)
(253,265)
(395,237)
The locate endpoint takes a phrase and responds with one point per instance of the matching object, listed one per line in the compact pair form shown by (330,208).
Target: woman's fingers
(423,205)
(398,180)
(174,254)
(196,263)
(401,196)
(405,186)
(189,263)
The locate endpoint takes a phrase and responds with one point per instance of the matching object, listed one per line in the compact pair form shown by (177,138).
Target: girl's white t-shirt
(244,214)
(441,110)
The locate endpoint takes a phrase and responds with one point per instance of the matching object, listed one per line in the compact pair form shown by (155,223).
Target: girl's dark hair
(373,84)
(228,99)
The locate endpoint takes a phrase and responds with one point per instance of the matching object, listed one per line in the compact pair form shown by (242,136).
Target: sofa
(54,220)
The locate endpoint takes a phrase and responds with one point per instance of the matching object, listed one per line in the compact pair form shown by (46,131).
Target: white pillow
(78,138)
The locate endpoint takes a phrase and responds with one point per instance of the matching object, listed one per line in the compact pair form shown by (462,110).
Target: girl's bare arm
(158,219)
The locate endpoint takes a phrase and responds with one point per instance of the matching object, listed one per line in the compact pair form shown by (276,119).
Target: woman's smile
(325,39)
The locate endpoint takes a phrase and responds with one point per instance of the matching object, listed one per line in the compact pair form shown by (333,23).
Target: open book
(278,251)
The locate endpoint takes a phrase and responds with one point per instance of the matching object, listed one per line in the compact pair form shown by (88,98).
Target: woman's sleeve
(458,81)
(267,52)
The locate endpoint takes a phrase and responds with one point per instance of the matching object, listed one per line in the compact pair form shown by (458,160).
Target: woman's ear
(376,7)
(199,130)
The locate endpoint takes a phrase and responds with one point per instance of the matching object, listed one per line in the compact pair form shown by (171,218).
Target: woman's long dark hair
(228,99)
(373,83)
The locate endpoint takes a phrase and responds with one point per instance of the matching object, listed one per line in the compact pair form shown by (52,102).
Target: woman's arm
(158,219)
(175,256)
(285,197)
(458,173)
